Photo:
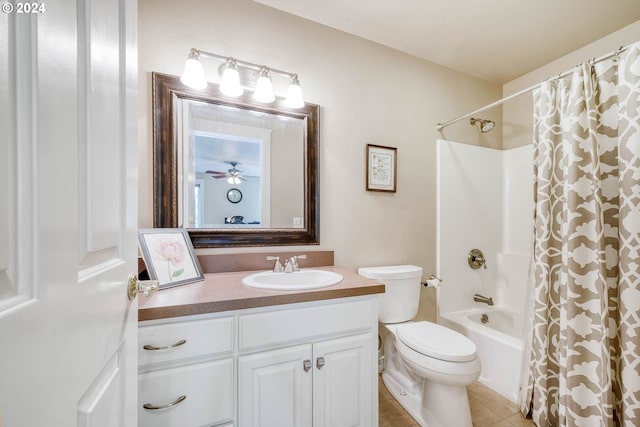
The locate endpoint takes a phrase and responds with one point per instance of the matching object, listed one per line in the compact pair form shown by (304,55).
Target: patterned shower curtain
(585,346)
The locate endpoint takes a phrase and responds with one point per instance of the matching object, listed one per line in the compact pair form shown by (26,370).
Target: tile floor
(488,409)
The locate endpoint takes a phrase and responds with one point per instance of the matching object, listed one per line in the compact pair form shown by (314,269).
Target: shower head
(485,125)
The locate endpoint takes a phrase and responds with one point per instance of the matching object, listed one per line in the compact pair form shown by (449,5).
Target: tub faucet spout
(483,299)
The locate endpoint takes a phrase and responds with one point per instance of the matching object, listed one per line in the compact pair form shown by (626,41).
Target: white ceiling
(496,40)
(214,151)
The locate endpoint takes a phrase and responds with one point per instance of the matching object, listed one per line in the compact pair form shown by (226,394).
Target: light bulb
(193,75)
(264,89)
(230,84)
(294,94)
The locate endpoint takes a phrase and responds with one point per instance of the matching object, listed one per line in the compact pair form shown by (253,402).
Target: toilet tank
(401,297)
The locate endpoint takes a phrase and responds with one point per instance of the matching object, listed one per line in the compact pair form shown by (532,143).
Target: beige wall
(518,113)
(367,93)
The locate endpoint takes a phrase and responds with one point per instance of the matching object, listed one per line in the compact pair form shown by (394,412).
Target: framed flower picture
(169,256)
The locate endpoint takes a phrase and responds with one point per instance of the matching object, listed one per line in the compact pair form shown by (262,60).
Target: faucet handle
(476,259)
(277,267)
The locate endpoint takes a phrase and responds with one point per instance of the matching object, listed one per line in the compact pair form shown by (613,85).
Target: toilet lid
(436,341)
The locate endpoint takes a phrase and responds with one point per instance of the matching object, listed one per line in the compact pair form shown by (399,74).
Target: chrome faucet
(294,261)
(291,264)
(288,265)
(483,299)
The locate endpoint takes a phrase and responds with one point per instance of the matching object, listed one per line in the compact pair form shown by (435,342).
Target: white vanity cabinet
(297,365)
(324,384)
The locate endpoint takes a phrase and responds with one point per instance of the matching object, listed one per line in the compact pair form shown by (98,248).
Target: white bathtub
(499,343)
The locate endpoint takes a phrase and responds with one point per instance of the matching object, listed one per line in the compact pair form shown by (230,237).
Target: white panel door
(68,214)
(342,382)
(275,388)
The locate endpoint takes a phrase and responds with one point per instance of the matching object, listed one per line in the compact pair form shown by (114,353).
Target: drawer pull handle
(319,362)
(166,347)
(306,365)
(153,407)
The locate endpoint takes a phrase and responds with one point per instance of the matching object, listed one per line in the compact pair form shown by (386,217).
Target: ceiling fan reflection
(233,175)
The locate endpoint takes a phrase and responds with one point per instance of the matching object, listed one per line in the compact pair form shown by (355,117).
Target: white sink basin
(298,280)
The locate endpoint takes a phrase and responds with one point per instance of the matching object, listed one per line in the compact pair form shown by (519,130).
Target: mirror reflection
(233,171)
(233,158)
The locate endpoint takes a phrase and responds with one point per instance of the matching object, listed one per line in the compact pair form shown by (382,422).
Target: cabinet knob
(319,362)
(306,365)
(153,407)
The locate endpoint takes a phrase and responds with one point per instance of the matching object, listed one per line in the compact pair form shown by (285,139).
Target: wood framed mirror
(205,144)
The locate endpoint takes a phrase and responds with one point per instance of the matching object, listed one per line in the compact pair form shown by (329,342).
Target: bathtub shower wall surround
(469,216)
(500,340)
(511,283)
(484,200)
(517,200)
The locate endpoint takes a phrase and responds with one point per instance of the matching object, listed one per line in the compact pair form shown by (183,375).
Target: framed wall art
(381,168)
(169,256)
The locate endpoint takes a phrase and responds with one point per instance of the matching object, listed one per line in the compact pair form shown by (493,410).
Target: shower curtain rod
(441,126)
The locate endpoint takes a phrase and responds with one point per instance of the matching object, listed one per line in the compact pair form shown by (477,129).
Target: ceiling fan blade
(233,173)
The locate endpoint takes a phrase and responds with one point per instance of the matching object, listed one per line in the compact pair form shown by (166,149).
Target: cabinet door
(344,390)
(275,389)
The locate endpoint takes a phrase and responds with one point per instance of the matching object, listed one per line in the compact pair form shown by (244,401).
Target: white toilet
(427,366)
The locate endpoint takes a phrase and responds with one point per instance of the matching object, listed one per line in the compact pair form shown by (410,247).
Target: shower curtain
(585,346)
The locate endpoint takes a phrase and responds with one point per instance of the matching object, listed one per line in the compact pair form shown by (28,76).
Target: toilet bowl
(427,366)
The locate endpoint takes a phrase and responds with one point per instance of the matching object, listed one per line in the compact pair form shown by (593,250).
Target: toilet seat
(433,340)
(459,374)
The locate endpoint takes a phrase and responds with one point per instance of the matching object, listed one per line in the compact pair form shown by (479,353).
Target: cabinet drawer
(201,338)
(208,391)
(273,328)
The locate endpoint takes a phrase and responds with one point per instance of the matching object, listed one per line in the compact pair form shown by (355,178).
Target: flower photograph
(169,256)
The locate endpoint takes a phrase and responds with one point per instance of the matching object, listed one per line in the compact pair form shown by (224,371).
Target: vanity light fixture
(193,75)
(230,84)
(264,87)
(294,94)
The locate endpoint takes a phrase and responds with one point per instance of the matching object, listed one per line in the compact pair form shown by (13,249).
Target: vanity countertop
(225,291)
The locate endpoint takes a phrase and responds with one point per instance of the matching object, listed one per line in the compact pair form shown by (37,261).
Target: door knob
(319,362)
(147,287)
